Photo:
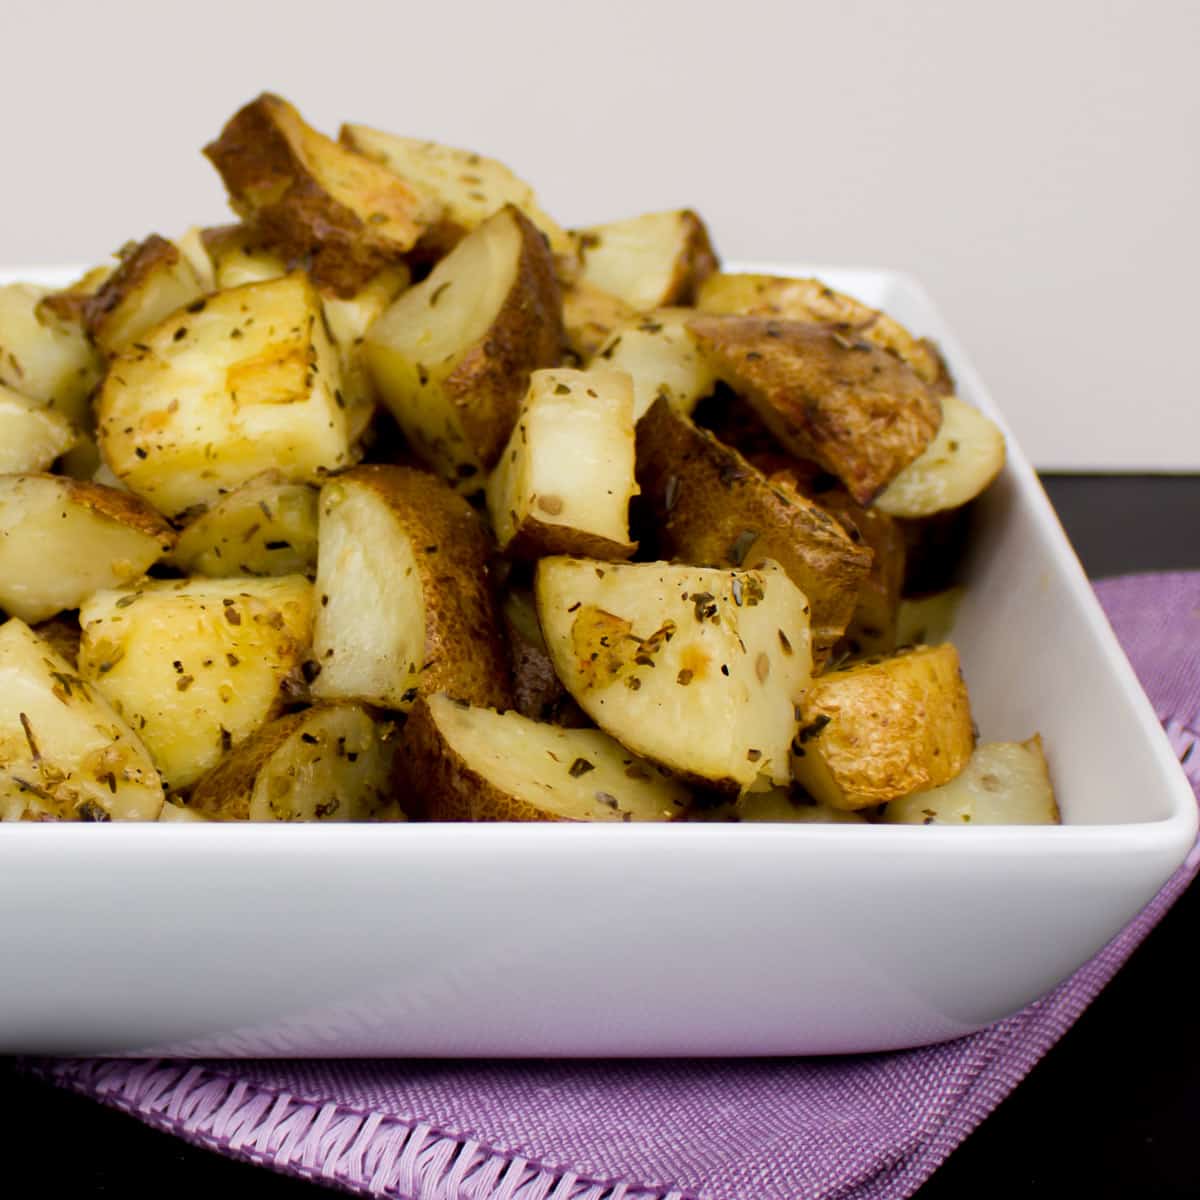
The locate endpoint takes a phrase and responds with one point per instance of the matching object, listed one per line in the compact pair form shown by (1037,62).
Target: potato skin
(120,506)
(433,783)
(538,692)
(488,384)
(272,164)
(854,409)
(465,650)
(882,728)
(711,507)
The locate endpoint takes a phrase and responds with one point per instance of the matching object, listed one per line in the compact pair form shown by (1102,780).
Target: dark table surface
(1112,1111)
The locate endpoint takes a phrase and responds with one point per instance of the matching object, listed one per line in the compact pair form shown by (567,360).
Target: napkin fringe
(330,1143)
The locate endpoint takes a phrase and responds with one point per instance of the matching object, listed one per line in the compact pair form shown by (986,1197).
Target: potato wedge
(191,245)
(313,199)
(64,752)
(811,300)
(468,187)
(405,594)
(712,508)
(700,670)
(452,356)
(330,763)
(196,665)
(778,805)
(243,382)
(154,280)
(1005,783)
(62,540)
(266,527)
(565,479)
(879,729)
(856,410)
(963,460)
(538,692)
(649,261)
(590,318)
(32,436)
(458,763)
(44,356)
(661,357)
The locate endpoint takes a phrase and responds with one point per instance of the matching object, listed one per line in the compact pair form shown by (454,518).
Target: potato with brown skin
(152,280)
(329,763)
(458,763)
(315,200)
(712,508)
(565,479)
(872,628)
(405,602)
(650,261)
(811,300)
(469,187)
(841,402)
(452,356)
(876,730)
(62,540)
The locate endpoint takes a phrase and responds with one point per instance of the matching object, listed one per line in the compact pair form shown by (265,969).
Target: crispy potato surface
(32,436)
(879,729)
(856,410)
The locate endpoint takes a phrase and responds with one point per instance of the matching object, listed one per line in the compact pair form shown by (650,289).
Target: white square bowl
(595,940)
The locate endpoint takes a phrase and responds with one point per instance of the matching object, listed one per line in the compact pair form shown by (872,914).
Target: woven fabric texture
(870,1127)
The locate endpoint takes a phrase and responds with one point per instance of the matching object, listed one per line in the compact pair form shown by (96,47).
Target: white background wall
(1035,162)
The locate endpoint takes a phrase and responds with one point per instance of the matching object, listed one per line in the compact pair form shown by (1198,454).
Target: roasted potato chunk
(154,280)
(882,728)
(405,594)
(313,199)
(32,436)
(591,317)
(330,763)
(961,462)
(459,763)
(929,619)
(62,540)
(64,752)
(243,382)
(649,261)
(44,356)
(538,692)
(856,410)
(700,670)
(661,358)
(452,356)
(266,527)
(712,508)
(1005,783)
(811,300)
(565,479)
(196,665)
(468,187)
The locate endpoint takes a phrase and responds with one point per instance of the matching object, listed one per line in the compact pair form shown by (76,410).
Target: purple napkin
(853,1128)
